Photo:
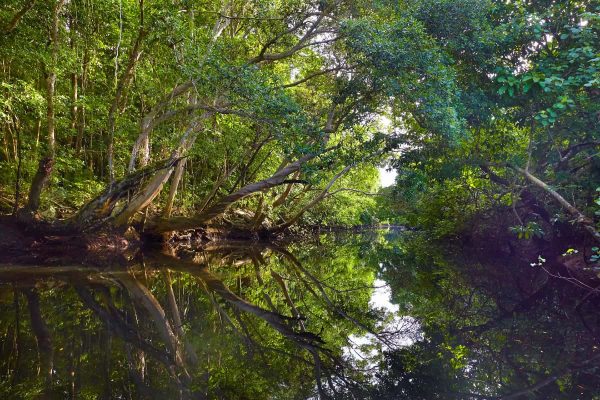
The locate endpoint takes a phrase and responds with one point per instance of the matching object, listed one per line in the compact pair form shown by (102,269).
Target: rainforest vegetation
(139,137)
(260,115)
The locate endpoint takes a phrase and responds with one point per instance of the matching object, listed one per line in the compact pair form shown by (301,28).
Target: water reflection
(226,321)
(377,316)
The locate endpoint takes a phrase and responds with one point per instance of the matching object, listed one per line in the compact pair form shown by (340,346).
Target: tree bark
(39,182)
(51,79)
(149,121)
(81,109)
(18,177)
(281,199)
(173,189)
(154,187)
(526,196)
(98,210)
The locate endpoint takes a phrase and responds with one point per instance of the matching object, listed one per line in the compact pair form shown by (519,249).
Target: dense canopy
(140,137)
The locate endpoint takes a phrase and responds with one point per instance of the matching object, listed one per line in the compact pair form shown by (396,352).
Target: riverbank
(40,242)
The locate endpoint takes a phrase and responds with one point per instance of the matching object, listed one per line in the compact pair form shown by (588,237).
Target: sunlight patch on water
(395,331)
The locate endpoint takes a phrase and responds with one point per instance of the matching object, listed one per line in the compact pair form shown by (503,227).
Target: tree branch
(586,222)
(18,16)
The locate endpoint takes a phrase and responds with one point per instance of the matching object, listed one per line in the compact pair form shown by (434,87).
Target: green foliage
(526,78)
(483,334)
(528,231)
(119,60)
(233,345)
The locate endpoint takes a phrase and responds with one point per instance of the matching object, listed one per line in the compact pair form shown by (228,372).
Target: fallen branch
(586,222)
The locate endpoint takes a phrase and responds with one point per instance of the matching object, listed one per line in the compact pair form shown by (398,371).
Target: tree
(525,78)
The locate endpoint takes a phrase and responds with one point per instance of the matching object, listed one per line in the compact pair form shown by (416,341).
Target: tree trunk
(81,113)
(18,177)
(134,56)
(18,16)
(526,196)
(221,177)
(39,182)
(149,122)
(5,142)
(154,187)
(281,199)
(42,176)
(74,107)
(145,197)
(173,189)
(98,210)
(182,223)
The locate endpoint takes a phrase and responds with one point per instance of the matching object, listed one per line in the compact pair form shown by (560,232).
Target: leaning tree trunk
(154,187)
(173,189)
(12,25)
(283,197)
(97,212)
(217,209)
(583,220)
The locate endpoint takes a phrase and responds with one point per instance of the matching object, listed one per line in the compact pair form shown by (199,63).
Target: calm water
(377,316)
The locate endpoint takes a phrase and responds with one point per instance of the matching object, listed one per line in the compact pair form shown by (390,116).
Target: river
(377,315)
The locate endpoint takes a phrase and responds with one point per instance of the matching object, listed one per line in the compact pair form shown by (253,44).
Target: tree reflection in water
(263,321)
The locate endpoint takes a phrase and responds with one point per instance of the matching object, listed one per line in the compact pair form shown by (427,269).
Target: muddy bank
(40,244)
